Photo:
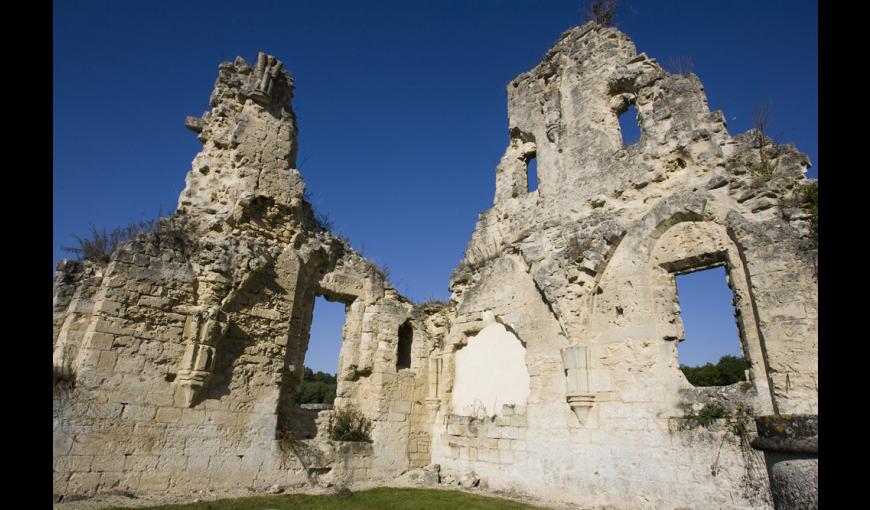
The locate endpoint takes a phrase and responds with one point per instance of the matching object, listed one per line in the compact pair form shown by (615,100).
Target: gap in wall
(319,381)
(403,350)
(532,172)
(628,126)
(707,312)
(324,345)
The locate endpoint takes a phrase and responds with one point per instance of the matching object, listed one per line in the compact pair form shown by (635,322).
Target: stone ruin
(553,369)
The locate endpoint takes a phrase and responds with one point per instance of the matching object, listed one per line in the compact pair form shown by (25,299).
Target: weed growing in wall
(810,197)
(99,244)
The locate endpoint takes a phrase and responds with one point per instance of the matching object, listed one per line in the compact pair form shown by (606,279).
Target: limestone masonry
(553,369)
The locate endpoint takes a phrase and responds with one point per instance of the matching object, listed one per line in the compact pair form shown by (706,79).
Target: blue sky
(401,105)
(707,310)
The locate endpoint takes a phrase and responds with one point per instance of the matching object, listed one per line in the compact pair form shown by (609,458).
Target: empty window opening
(532,173)
(403,353)
(710,354)
(321,358)
(628,126)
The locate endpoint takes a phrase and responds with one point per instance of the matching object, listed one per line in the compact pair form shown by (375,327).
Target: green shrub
(710,413)
(349,424)
(736,418)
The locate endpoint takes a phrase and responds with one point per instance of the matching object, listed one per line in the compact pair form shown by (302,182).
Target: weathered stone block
(153,481)
(140,462)
(102,341)
(168,415)
(139,413)
(108,463)
(83,483)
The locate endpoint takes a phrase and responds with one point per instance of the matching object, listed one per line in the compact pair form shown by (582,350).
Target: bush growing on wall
(349,424)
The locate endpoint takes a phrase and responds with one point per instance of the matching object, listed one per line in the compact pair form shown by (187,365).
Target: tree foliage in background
(317,388)
(729,370)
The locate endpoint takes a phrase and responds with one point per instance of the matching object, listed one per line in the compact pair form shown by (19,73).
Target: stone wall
(583,270)
(176,362)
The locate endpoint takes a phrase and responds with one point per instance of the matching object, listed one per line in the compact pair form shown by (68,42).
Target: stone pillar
(435,368)
(262,81)
(575,361)
(203,331)
(791,451)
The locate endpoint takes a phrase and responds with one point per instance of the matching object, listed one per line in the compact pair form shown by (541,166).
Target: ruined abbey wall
(552,371)
(187,347)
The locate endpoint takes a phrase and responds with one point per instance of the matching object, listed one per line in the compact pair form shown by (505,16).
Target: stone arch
(637,240)
(689,245)
(635,294)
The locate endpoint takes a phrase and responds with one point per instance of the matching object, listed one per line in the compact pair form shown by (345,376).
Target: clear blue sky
(401,105)
(707,310)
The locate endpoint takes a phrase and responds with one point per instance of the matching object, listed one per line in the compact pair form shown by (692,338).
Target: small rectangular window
(628,126)
(403,353)
(532,172)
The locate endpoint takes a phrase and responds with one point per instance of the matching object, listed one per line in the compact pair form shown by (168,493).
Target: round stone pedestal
(791,451)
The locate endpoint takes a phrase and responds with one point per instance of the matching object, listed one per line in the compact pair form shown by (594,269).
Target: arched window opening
(403,353)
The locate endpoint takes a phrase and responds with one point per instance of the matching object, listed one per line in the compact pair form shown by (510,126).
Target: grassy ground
(374,499)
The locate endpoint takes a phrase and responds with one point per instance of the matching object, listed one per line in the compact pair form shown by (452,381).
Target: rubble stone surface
(180,357)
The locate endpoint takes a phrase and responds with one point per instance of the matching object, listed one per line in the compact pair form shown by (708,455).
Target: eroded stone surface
(186,348)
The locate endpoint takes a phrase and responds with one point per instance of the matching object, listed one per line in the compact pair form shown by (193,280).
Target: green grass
(374,499)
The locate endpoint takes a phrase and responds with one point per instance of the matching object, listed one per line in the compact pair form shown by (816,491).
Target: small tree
(764,170)
(601,12)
